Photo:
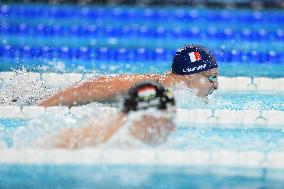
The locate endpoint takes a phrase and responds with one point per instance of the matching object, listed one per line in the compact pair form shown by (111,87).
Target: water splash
(187,98)
(23,89)
(153,136)
(39,129)
(52,65)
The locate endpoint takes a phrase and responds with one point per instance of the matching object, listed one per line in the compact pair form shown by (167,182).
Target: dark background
(255,4)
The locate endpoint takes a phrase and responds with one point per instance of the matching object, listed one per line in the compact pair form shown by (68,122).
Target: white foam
(55,80)
(6,76)
(22,88)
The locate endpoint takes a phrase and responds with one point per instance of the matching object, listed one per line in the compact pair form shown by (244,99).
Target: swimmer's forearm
(78,95)
(67,97)
(93,133)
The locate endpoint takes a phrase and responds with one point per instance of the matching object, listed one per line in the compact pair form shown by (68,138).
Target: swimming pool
(234,141)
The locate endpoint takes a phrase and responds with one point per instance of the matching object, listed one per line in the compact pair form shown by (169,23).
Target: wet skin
(198,81)
(206,87)
(107,87)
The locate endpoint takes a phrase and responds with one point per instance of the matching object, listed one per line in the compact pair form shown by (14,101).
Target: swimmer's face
(205,82)
(152,130)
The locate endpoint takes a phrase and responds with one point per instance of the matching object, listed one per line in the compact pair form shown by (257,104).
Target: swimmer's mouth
(211,91)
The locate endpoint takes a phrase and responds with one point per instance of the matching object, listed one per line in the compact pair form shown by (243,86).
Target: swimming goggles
(211,78)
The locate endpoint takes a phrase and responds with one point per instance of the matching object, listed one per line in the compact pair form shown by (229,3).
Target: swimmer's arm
(73,138)
(100,89)
(91,134)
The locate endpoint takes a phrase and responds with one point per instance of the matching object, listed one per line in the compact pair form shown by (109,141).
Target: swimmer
(148,107)
(193,65)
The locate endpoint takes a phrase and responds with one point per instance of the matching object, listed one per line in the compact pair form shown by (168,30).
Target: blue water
(157,176)
(225,69)
(236,101)
(218,138)
(103,176)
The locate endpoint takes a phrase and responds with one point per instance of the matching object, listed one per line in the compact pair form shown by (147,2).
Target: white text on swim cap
(187,70)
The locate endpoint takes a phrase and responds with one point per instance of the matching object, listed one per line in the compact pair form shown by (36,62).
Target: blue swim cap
(193,59)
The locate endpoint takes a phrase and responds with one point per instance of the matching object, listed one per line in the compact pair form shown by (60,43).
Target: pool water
(186,137)
(104,176)
(234,100)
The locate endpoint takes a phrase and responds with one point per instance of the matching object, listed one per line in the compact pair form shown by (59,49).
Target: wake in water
(232,100)
(187,98)
(44,132)
(22,90)
(39,133)
(40,128)
(147,115)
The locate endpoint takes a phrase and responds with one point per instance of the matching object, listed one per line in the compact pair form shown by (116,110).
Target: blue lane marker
(145,32)
(121,54)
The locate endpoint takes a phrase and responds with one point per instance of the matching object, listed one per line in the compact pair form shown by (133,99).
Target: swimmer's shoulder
(149,76)
(111,77)
(123,80)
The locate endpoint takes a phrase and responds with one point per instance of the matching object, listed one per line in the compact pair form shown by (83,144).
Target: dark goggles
(211,78)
